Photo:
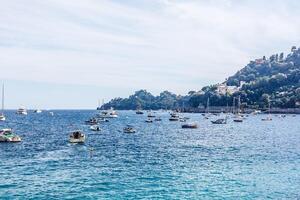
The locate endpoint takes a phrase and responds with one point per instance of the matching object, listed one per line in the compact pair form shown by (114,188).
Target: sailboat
(2,116)
(269,118)
(238,117)
(207,109)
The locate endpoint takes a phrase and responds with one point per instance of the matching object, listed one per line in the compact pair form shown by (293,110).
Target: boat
(238,117)
(158,119)
(190,125)
(173,119)
(129,129)
(92,121)
(22,111)
(139,112)
(37,111)
(7,135)
(108,114)
(268,118)
(95,128)
(77,137)
(219,121)
(148,120)
(2,116)
(102,120)
(150,115)
(182,120)
(51,113)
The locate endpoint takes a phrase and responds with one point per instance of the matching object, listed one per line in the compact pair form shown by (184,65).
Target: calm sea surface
(249,160)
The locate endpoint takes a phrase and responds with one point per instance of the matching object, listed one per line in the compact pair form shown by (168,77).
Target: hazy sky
(69,53)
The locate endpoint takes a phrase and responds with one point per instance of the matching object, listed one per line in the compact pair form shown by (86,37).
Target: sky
(68,54)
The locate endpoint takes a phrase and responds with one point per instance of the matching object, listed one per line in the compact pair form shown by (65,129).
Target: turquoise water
(249,160)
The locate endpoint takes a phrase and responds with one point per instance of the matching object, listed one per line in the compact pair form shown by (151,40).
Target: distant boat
(108,114)
(190,125)
(95,128)
(269,118)
(7,135)
(92,121)
(129,129)
(150,115)
(77,137)
(22,111)
(51,113)
(148,120)
(139,112)
(2,116)
(37,111)
(219,121)
(157,119)
(238,117)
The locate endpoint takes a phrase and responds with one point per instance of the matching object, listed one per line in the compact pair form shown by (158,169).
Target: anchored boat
(7,135)
(129,129)
(77,137)
(22,111)
(190,125)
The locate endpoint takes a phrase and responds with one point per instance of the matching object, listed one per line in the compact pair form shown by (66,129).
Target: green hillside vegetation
(275,80)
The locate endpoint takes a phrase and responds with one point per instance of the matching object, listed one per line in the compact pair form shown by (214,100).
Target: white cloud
(177,45)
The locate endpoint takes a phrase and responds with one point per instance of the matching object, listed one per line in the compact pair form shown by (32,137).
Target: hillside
(274,80)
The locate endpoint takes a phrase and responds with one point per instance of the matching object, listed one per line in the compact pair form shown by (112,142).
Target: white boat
(95,128)
(2,116)
(51,113)
(77,137)
(269,118)
(22,111)
(37,111)
(108,114)
(129,129)
(7,135)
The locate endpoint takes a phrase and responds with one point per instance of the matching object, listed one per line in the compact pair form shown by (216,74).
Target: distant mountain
(275,80)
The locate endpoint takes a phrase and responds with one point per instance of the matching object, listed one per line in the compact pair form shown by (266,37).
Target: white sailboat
(269,118)
(2,116)
(238,117)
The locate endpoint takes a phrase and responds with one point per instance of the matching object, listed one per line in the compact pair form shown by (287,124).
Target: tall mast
(2,109)
(239,104)
(207,105)
(233,105)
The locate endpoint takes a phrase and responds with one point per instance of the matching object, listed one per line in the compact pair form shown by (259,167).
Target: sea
(254,159)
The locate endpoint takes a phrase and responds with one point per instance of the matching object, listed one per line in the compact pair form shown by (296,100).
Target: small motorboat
(173,118)
(102,120)
(22,111)
(37,111)
(92,121)
(95,128)
(182,120)
(129,129)
(148,120)
(77,137)
(266,119)
(238,119)
(219,121)
(150,115)
(157,119)
(7,135)
(190,125)
(139,112)
(51,113)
